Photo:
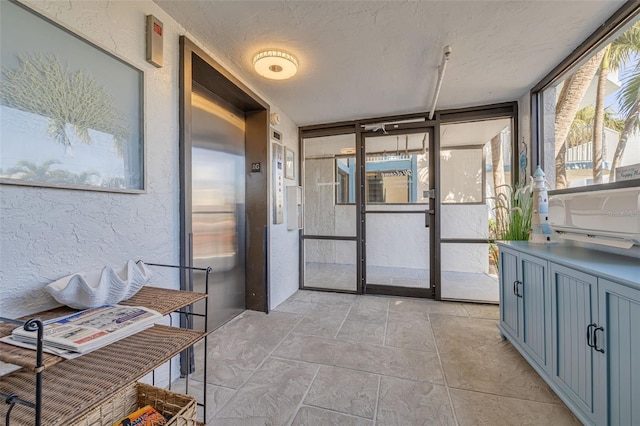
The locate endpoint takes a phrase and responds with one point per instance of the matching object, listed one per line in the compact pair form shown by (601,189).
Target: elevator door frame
(432,219)
(197,65)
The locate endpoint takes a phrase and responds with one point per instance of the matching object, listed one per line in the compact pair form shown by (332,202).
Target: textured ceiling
(370,58)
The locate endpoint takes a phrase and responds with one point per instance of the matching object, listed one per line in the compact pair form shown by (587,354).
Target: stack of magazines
(90,329)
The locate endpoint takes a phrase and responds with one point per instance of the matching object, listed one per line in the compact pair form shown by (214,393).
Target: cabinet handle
(516,284)
(595,338)
(589,334)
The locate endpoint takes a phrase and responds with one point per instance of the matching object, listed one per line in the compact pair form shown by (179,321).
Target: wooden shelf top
(161,300)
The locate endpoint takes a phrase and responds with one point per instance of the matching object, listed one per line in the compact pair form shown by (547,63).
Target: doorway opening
(407,207)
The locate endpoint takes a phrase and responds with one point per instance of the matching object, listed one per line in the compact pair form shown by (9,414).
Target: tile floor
(335,359)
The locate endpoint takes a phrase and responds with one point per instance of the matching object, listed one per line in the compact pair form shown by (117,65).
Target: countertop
(614,267)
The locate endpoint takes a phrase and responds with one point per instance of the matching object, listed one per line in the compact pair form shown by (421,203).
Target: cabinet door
(574,307)
(619,315)
(536,299)
(509,301)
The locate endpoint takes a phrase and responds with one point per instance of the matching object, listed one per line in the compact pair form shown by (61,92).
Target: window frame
(627,13)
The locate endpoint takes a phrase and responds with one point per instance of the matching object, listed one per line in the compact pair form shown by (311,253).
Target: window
(588,116)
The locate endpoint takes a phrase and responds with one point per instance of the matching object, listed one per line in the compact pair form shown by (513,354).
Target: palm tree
(629,99)
(28,170)
(581,128)
(573,90)
(616,54)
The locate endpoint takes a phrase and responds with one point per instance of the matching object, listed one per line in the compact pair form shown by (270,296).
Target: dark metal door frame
(432,214)
(196,65)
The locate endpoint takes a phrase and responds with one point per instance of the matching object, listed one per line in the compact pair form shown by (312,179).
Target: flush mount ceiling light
(275,64)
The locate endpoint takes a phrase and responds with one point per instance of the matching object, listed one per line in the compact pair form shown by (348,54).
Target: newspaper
(90,329)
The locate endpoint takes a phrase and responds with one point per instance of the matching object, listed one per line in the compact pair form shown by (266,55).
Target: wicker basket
(182,408)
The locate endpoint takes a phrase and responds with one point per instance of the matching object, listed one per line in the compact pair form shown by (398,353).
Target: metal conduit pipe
(446,53)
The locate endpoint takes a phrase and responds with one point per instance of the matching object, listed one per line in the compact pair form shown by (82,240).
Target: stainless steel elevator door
(218,204)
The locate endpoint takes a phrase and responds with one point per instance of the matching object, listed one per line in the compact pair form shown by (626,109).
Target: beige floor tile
(236,349)
(330,310)
(405,374)
(422,307)
(473,408)
(347,391)
(272,393)
(324,297)
(474,357)
(411,333)
(396,362)
(292,306)
(405,402)
(362,331)
(312,416)
(216,396)
(313,326)
(479,310)
(369,309)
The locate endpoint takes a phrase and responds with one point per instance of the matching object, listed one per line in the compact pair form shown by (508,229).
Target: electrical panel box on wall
(294,207)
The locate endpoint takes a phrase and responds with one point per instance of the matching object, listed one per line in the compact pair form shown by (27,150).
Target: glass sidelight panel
(475,161)
(329,186)
(330,264)
(330,223)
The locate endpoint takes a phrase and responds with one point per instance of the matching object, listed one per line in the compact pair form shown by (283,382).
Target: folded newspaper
(90,329)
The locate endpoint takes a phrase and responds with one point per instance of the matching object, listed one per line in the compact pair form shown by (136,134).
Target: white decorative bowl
(108,287)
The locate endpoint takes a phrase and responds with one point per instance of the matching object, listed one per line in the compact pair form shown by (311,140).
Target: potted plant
(513,210)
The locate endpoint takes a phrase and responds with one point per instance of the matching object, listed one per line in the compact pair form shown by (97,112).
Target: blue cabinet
(525,299)
(574,315)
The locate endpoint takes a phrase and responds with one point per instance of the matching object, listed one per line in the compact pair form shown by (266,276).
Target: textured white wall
(48,233)
(284,255)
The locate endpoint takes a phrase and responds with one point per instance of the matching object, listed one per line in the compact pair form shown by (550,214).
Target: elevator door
(218,204)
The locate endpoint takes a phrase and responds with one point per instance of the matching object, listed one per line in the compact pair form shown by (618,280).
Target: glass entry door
(399,213)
